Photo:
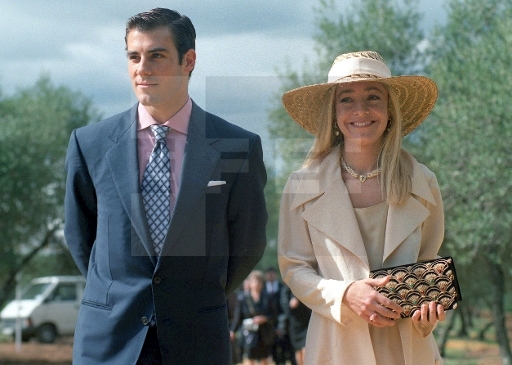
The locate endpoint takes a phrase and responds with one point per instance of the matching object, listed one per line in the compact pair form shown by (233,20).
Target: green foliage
(388,27)
(467,142)
(35,124)
(272,196)
(291,142)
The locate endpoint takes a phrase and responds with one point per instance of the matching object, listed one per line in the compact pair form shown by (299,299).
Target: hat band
(356,66)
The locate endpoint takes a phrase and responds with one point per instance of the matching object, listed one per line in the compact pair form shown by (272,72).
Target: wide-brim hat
(416,94)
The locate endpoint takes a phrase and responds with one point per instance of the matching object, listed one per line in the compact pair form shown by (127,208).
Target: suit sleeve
(247,217)
(237,315)
(80,206)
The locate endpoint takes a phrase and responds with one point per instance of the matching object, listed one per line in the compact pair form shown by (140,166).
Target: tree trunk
(481,334)
(450,320)
(10,283)
(497,288)
(464,320)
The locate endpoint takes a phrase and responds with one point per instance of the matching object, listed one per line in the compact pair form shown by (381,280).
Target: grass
(5,338)
(471,350)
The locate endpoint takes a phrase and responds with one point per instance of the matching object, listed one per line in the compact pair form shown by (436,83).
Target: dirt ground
(482,352)
(34,353)
(59,353)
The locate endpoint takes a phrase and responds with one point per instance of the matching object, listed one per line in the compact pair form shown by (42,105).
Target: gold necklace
(361,178)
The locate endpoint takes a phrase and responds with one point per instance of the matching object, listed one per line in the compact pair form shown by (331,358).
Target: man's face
(158,77)
(270,276)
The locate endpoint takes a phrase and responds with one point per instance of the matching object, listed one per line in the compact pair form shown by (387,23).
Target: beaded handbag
(413,284)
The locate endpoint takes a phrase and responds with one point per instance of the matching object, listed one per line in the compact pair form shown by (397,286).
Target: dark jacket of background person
(297,319)
(253,344)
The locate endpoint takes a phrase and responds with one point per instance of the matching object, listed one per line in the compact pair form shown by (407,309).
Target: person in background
(282,348)
(360,203)
(254,318)
(165,212)
(296,317)
(272,283)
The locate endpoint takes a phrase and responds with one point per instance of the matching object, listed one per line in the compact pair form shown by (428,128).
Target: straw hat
(417,94)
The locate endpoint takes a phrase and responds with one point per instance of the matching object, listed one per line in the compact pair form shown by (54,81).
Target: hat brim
(416,94)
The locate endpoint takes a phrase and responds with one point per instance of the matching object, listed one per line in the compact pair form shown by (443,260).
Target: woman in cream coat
(360,203)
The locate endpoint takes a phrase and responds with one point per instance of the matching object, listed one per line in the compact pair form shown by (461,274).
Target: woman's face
(255,284)
(362,112)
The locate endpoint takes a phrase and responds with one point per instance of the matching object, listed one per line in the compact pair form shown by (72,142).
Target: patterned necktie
(156,188)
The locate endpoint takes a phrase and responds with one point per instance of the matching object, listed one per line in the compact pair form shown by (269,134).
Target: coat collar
(200,159)
(327,206)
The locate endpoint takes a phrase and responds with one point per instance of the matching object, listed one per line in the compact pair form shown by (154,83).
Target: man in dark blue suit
(166,304)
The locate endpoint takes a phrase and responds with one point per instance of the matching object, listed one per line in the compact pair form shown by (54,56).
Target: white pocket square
(216,183)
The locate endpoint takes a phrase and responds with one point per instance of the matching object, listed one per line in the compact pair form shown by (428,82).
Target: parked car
(48,308)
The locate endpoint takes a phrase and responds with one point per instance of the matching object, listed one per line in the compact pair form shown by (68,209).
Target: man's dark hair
(182,29)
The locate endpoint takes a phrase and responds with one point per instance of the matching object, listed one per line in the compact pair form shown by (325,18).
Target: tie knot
(160,132)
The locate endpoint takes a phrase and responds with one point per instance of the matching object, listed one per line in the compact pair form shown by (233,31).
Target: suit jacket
(216,236)
(321,252)
(274,298)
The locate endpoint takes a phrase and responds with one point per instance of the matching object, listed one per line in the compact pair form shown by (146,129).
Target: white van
(47,309)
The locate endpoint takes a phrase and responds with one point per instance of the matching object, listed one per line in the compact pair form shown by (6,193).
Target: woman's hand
(369,304)
(294,303)
(429,314)
(260,319)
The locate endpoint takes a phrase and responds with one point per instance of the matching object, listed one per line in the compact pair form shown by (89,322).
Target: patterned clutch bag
(413,284)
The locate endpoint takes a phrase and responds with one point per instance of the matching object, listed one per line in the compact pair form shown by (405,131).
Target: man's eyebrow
(152,50)
(158,49)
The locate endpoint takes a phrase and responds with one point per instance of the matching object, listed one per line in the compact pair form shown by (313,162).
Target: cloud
(80,44)
(241,46)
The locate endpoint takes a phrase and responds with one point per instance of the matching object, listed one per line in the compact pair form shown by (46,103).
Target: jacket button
(145,321)
(157,280)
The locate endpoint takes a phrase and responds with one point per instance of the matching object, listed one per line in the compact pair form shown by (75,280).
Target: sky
(242,45)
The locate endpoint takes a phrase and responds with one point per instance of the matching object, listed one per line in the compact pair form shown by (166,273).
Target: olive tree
(467,144)
(35,124)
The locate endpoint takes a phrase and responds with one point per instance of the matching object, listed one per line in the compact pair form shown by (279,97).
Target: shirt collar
(178,121)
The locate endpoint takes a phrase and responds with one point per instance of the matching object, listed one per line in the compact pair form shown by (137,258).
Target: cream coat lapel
(328,208)
(405,219)
(327,205)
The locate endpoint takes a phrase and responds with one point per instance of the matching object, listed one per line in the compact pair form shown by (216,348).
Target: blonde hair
(325,138)
(258,275)
(396,176)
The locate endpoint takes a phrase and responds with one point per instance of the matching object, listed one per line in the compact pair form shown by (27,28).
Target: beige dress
(372,224)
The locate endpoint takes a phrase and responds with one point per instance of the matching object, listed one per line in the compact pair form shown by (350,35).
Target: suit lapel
(123,161)
(200,161)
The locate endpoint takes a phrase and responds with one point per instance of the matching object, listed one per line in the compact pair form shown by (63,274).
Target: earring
(388,128)
(336,129)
